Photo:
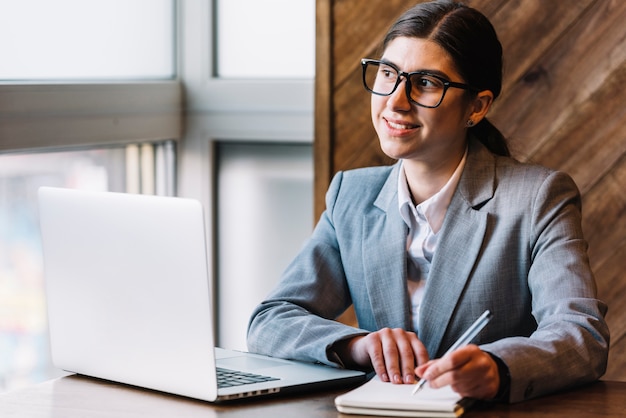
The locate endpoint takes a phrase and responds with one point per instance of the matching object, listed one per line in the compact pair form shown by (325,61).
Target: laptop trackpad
(249,363)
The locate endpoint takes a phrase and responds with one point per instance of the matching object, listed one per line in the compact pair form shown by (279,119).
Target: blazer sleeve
(297,320)
(569,345)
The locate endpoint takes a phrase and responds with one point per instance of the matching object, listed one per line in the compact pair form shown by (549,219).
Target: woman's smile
(398,126)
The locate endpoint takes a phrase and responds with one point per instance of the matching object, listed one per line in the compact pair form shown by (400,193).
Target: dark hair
(472,42)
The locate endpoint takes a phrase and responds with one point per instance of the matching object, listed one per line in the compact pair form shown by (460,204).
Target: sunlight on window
(89,40)
(265,39)
(24,355)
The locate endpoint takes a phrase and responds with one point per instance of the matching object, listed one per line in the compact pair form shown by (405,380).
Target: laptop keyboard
(228,378)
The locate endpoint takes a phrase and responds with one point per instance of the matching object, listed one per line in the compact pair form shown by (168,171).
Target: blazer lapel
(384,258)
(459,245)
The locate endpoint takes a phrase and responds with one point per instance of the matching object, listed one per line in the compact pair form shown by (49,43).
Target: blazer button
(529,390)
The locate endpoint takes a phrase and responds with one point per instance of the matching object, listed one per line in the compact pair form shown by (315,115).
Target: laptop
(129,300)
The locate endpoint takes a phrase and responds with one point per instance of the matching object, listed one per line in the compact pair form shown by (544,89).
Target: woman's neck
(425,179)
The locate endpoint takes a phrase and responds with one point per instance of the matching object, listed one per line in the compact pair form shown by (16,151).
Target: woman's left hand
(470,371)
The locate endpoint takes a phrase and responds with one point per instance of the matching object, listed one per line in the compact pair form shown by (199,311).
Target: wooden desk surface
(81,397)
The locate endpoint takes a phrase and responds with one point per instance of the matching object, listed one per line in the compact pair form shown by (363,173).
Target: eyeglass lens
(382,79)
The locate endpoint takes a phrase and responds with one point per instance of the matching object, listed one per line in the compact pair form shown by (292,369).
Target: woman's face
(411,132)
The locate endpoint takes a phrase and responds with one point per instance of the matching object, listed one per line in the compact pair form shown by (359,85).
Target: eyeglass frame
(408,86)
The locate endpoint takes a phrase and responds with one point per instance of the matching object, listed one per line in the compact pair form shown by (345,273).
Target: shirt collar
(435,207)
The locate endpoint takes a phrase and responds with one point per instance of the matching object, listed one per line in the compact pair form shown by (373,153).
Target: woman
(454,228)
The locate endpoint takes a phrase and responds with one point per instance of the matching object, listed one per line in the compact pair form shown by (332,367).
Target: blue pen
(465,339)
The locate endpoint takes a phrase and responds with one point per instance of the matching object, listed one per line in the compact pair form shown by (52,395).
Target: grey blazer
(511,242)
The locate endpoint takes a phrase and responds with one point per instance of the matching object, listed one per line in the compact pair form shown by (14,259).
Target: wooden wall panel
(562,105)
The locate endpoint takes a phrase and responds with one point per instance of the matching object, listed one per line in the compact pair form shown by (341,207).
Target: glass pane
(90,40)
(264,216)
(24,357)
(265,38)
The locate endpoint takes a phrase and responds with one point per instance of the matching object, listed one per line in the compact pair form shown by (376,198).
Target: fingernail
(397,378)
(409,379)
(384,377)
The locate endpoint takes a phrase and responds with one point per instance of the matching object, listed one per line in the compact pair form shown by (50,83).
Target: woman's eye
(387,72)
(427,82)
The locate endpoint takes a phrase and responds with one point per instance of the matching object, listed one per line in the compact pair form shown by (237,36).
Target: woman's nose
(399,99)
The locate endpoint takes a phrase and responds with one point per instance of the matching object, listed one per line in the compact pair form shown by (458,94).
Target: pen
(465,339)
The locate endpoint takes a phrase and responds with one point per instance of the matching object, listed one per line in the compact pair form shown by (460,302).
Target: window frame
(36,116)
(237,109)
(41,116)
(55,115)
(221,110)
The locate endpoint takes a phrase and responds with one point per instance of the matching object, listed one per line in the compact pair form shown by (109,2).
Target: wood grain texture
(562,106)
(82,397)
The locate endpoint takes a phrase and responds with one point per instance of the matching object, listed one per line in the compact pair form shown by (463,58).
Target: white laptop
(129,299)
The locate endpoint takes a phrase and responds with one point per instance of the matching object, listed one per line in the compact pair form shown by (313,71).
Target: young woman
(454,228)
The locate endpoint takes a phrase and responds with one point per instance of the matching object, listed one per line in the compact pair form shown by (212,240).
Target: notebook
(129,299)
(387,399)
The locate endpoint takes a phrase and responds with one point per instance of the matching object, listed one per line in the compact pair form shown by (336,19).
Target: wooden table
(82,397)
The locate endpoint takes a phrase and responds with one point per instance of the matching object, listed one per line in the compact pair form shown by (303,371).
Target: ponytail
(491,137)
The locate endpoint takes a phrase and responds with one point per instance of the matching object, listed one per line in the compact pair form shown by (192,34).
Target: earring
(470,123)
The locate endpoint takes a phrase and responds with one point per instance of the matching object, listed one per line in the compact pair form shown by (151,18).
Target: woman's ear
(480,106)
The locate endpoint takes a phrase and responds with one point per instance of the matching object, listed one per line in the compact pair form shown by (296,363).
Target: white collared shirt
(424,222)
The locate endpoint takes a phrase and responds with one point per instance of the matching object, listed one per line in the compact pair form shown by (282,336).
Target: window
(88,99)
(234,119)
(104,130)
(79,40)
(264,214)
(265,39)
(23,328)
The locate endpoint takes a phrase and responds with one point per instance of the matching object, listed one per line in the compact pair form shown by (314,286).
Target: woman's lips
(400,125)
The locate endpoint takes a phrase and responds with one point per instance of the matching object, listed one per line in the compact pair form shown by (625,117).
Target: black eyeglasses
(422,88)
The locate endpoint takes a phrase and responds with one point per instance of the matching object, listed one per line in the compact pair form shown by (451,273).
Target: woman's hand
(393,353)
(470,371)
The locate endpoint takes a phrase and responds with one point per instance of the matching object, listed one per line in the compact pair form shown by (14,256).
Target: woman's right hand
(393,353)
